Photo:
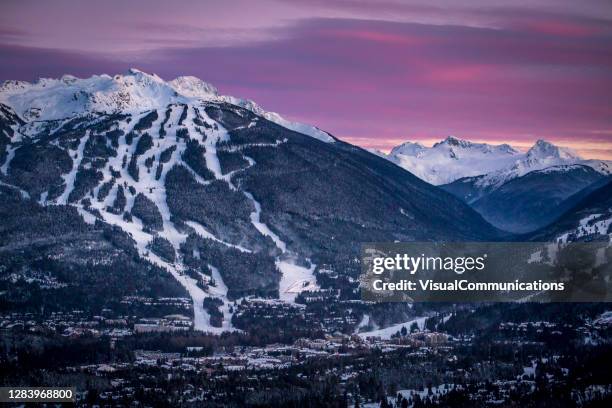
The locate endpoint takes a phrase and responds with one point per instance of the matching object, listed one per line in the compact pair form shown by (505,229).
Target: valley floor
(429,363)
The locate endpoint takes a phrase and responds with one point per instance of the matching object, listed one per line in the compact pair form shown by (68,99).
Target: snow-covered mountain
(136,91)
(515,191)
(128,185)
(540,156)
(490,165)
(452,158)
(530,192)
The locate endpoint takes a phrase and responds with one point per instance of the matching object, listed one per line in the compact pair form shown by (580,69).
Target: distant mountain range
(515,191)
(452,159)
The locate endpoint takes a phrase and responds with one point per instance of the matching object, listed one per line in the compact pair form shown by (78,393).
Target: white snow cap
(451,159)
(543,149)
(407,148)
(454,158)
(193,87)
(134,91)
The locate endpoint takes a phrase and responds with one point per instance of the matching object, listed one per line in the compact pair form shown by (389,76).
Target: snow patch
(262,227)
(70,177)
(295,279)
(387,332)
(202,232)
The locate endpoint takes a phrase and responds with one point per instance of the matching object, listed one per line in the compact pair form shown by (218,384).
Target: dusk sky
(374,73)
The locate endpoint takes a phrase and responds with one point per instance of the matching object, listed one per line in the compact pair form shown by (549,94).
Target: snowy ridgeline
(135,91)
(453,159)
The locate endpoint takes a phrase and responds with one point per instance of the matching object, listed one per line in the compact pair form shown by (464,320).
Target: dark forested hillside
(528,202)
(588,219)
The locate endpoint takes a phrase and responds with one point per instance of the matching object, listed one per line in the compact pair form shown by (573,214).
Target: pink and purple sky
(374,73)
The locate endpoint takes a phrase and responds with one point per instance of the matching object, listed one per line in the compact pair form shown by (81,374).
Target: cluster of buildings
(176,302)
(78,324)
(166,324)
(75,323)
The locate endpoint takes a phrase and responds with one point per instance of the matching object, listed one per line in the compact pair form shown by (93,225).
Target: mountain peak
(407,148)
(135,71)
(454,141)
(540,156)
(505,147)
(193,87)
(544,149)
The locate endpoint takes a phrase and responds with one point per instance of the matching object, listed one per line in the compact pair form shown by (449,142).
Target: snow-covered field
(295,279)
(423,394)
(387,332)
